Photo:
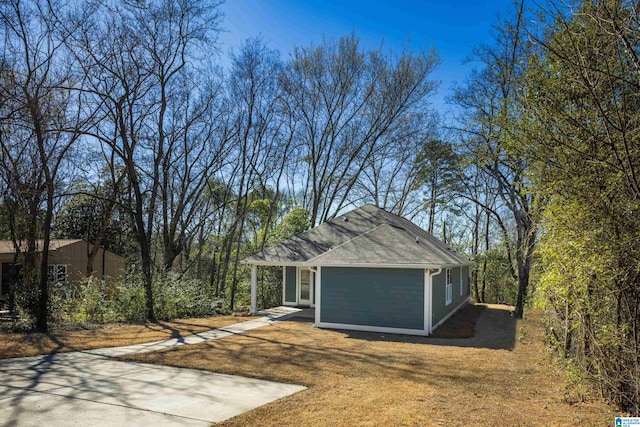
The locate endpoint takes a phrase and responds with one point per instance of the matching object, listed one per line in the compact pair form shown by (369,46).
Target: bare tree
(344,102)
(41,119)
(259,140)
(391,177)
(138,60)
(491,104)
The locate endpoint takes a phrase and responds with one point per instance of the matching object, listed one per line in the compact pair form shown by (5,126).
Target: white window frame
(449,288)
(57,273)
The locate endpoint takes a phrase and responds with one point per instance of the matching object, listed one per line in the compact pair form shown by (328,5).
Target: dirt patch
(462,324)
(381,379)
(62,341)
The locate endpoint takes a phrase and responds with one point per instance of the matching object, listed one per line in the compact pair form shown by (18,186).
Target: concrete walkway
(89,388)
(267,317)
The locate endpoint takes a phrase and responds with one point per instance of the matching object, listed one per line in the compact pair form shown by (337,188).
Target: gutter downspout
(429,308)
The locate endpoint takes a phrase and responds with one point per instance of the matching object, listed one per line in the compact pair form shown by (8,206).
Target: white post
(254,289)
(318,290)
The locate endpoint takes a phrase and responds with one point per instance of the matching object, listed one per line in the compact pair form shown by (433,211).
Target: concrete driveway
(90,388)
(79,389)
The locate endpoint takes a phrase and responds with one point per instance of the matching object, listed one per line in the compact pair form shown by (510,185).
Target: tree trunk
(484,263)
(148,279)
(524,268)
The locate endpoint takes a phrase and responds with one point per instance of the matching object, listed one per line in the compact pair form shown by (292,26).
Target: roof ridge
(441,246)
(344,243)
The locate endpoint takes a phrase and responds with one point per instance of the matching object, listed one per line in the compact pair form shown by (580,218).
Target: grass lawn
(32,344)
(500,376)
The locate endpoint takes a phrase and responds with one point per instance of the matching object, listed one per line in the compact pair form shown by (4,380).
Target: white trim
(284,285)
(451,313)
(314,281)
(254,289)
(390,265)
(448,288)
(429,306)
(318,290)
(360,265)
(461,282)
(367,328)
(426,302)
(275,263)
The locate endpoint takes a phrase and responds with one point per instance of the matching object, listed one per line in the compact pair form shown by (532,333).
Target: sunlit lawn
(501,376)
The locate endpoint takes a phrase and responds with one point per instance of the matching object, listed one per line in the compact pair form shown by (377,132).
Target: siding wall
(440,308)
(75,257)
(290,285)
(383,297)
(467,281)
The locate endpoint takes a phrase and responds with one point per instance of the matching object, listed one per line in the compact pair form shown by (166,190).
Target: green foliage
(295,222)
(500,286)
(86,302)
(176,297)
(93,301)
(584,121)
(81,217)
(26,300)
(438,168)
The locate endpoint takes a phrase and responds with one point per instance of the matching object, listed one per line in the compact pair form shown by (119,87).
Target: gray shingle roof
(364,236)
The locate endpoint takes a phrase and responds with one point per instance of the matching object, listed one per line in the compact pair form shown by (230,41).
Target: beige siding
(73,254)
(106,265)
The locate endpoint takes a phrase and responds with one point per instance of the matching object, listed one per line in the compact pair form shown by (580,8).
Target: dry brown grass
(32,344)
(359,378)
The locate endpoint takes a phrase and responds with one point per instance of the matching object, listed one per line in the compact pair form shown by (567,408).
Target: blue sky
(452,27)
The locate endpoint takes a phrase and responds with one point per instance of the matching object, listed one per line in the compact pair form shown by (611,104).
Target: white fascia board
(367,328)
(389,265)
(357,265)
(277,264)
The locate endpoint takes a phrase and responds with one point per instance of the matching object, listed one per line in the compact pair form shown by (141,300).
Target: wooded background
(119,126)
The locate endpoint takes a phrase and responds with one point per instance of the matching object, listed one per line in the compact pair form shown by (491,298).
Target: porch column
(254,289)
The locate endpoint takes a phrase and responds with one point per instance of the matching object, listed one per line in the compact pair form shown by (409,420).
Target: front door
(305,286)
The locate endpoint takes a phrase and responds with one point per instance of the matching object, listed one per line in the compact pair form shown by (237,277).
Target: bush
(177,296)
(87,302)
(93,301)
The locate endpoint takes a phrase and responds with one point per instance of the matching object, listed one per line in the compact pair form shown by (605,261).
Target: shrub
(177,296)
(93,301)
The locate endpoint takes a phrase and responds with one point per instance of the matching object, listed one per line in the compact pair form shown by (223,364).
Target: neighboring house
(370,270)
(67,263)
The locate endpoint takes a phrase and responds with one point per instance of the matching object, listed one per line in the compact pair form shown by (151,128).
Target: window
(461,284)
(305,285)
(449,293)
(57,273)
